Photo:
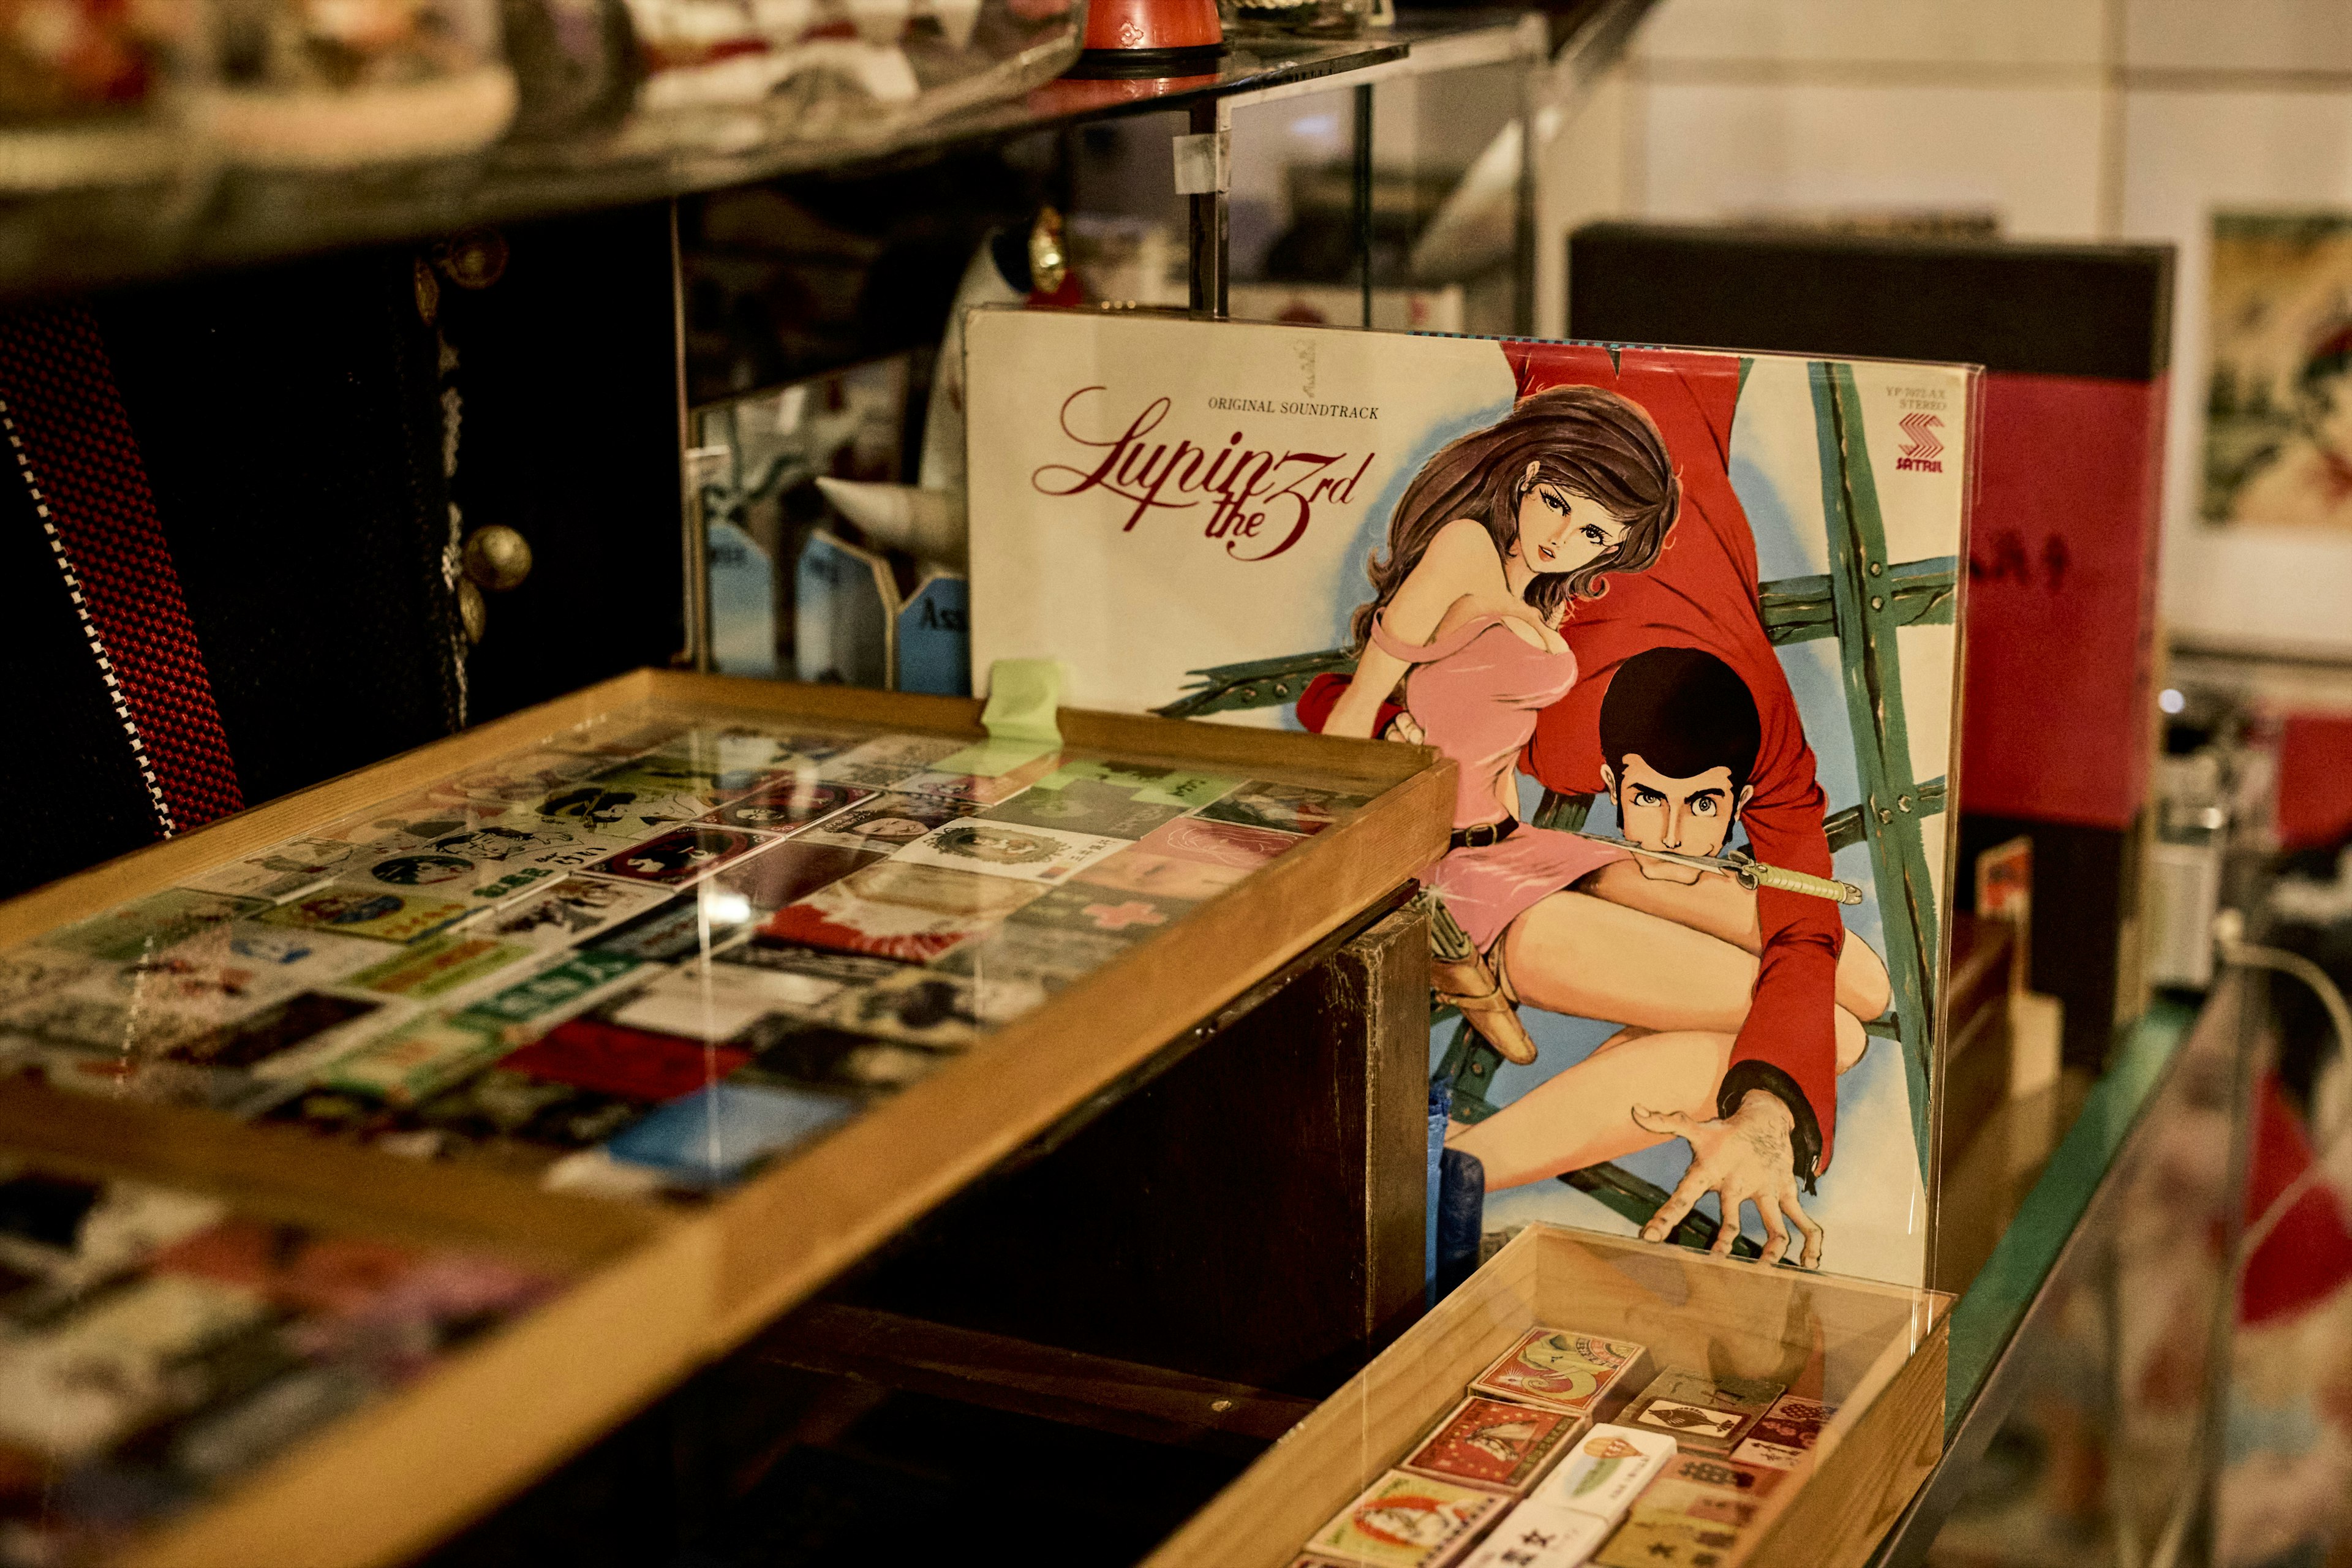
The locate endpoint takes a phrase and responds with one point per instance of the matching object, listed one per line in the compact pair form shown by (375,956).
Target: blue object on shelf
(842,630)
(935,638)
(743,604)
(1461,1218)
(1441,1107)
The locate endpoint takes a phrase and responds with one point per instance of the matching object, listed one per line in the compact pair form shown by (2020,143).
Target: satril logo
(1922,452)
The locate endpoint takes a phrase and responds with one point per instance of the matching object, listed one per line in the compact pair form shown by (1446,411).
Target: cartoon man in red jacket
(1775,1106)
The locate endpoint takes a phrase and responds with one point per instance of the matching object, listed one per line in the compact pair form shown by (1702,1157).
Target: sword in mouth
(1751,874)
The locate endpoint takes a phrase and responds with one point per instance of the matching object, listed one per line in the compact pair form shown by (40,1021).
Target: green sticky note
(1023,695)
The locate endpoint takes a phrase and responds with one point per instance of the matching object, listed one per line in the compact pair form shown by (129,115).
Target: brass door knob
(472,612)
(496,557)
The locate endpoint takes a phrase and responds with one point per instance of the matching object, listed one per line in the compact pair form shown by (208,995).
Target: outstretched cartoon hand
(1743,1159)
(1403,728)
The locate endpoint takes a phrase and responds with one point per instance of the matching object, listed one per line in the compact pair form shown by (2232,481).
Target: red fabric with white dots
(71,445)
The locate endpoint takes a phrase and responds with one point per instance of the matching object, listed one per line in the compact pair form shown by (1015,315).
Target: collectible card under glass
(1685,621)
(643,957)
(688,990)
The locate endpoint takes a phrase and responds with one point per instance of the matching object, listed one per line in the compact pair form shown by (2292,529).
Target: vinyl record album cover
(1685,621)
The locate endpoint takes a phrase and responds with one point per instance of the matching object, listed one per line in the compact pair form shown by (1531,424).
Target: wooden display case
(661,1287)
(1878,1353)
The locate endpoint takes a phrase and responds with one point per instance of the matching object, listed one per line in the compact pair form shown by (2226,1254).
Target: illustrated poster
(2278,412)
(1686,623)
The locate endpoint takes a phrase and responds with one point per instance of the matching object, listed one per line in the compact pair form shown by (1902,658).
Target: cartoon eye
(1593,536)
(1552,499)
(1703,805)
(1645,796)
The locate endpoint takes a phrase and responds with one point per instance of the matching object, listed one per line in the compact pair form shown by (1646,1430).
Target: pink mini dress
(1476,694)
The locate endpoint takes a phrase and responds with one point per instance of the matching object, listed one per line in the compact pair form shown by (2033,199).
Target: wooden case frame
(1882,1351)
(658,1291)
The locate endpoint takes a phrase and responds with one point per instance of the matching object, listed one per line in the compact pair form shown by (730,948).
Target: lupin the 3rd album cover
(1685,621)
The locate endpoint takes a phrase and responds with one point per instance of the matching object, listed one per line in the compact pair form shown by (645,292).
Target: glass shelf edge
(505,189)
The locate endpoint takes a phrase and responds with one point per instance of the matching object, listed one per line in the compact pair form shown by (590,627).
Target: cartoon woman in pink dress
(1489,549)
(1492,542)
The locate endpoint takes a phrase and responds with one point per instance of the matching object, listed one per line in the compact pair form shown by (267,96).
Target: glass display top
(645,956)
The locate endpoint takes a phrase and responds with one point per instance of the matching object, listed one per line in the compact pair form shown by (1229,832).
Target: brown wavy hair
(1581,439)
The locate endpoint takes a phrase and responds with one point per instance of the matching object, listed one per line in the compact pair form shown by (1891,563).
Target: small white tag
(792,406)
(1204,163)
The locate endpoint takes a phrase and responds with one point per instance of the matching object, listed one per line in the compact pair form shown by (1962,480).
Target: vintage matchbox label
(1086,805)
(1157,786)
(1604,1470)
(513,781)
(718,1001)
(1225,844)
(1755,1482)
(1036,955)
(580,981)
(430,971)
(700,922)
(926,1007)
(719,1134)
(1285,808)
(738,750)
(566,913)
(1536,1535)
(1407,1522)
(280,872)
(1489,1443)
(889,760)
(883,824)
(633,1064)
(798,1053)
(357,912)
(1712,1414)
(786,805)
(1785,1434)
(1668,1498)
(680,855)
(774,878)
(1558,1368)
(891,910)
(970,774)
(415,1059)
(1157,875)
(148,925)
(1649,1541)
(1009,849)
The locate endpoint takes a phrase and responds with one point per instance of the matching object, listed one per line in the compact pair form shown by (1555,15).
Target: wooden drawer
(658,1287)
(1875,1352)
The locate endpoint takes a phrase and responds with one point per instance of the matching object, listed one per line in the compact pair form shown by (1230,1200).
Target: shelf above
(84,241)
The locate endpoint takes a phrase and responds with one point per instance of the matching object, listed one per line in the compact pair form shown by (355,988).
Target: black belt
(1484,835)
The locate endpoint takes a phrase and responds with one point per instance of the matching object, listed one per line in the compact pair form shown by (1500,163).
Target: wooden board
(666,1288)
(1874,1351)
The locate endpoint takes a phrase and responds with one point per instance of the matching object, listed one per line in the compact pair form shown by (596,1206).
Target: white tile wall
(2210,35)
(1939,32)
(2071,119)
(2188,153)
(1580,174)
(1717,150)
